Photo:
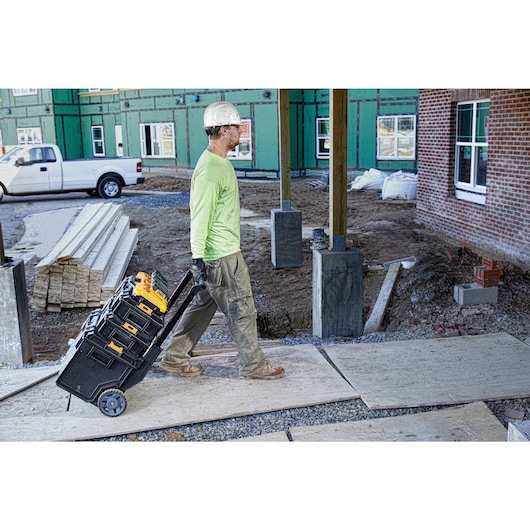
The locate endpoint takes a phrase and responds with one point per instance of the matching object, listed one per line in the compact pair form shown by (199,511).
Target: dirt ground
(382,230)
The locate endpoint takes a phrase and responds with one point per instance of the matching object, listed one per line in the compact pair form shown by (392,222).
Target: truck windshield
(10,154)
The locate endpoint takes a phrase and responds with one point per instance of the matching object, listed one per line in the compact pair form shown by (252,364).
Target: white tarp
(372,179)
(400,185)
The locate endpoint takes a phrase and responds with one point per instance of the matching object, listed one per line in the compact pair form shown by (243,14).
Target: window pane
(482,165)
(465,123)
(386,147)
(386,126)
(406,125)
(323,145)
(323,127)
(167,140)
(483,114)
(464,164)
(405,146)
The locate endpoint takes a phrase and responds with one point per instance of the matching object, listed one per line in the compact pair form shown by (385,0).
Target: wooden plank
(102,264)
(76,250)
(13,382)
(465,423)
(90,291)
(55,288)
(164,400)
(227,347)
(68,286)
(119,264)
(425,372)
(108,240)
(378,312)
(40,290)
(109,220)
(81,285)
(71,235)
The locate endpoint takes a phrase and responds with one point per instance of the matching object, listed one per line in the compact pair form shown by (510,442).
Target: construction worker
(216,256)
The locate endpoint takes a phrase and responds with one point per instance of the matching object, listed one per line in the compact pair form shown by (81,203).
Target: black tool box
(118,343)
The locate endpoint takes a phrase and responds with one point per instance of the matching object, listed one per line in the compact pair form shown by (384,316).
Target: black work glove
(198,269)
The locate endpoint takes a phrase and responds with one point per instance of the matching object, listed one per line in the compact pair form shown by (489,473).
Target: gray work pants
(227,288)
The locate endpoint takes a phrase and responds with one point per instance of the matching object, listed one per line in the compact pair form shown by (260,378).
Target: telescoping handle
(180,287)
(185,303)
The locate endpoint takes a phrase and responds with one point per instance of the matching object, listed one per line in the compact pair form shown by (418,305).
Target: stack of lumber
(88,263)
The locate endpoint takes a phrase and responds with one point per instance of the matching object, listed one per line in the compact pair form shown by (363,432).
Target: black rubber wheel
(112,402)
(109,187)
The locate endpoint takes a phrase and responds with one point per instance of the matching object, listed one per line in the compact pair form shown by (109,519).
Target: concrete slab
(164,400)
(464,423)
(453,370)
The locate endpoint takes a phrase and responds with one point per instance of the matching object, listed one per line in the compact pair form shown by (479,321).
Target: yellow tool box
(118,343)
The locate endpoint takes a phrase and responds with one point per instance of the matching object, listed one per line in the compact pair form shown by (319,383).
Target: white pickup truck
(40,168)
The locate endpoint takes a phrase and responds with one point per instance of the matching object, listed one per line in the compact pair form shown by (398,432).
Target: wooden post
(338,176)
(286,223)
(285,149)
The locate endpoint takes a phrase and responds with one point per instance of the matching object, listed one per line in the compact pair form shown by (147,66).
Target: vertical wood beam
(284,130)
(338,177)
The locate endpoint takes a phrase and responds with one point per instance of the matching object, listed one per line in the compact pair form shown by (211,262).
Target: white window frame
(391,139)
(24,91)
(29,135)
(118,135)
(98,143)
(159,142)
(471,191)
(322,138)
(244,150)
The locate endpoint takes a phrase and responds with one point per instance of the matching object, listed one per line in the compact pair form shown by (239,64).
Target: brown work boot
(267,372)
(184,370)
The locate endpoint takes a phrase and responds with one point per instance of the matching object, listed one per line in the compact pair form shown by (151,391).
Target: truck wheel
(1,193)
(109,188)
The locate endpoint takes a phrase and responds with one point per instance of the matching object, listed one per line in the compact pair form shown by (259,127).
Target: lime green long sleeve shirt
(214,208)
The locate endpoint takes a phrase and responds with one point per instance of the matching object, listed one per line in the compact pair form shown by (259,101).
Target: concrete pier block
(16,345)
(471,293)
(286,238)
(337,293)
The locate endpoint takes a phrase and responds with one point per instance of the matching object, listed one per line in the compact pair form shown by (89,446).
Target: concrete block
(519,431)
(16,345)
(337,293)
(471,293)
(286,238)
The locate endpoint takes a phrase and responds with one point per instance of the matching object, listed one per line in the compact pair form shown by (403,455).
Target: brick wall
(500,227)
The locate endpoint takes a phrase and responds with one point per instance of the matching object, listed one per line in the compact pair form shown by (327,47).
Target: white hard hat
(221,113)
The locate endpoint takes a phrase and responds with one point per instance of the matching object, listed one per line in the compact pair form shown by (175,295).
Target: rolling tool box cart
(118,343)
